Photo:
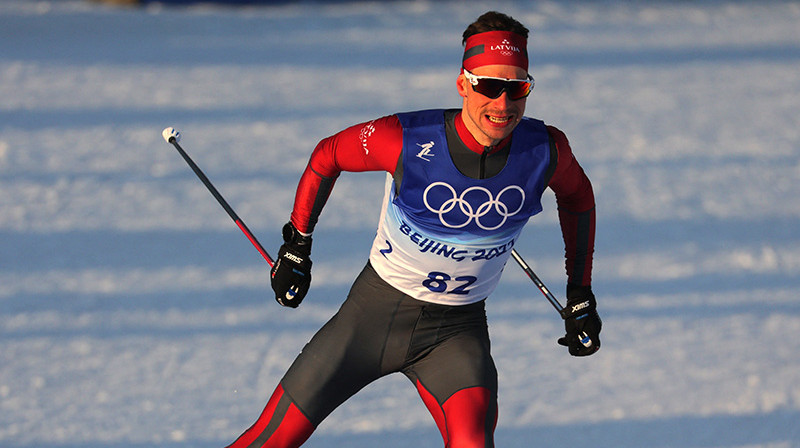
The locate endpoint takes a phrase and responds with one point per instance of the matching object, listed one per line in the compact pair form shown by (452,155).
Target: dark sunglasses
(492,87)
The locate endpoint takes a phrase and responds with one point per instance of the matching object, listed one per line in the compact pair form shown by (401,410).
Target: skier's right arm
(371,146)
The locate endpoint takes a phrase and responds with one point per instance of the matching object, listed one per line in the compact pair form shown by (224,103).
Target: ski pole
(173,137)
(585,339)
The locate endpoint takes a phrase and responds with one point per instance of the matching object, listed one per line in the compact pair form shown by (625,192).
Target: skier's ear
(462,84)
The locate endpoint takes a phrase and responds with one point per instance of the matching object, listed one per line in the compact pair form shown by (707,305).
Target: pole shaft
(539,284)
(239,223)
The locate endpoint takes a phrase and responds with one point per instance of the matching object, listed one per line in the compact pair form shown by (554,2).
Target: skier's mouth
(503,120)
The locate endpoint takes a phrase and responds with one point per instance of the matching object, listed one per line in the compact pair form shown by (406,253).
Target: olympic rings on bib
(447,213)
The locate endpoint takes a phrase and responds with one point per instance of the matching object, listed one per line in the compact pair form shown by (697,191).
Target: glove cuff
(296,240)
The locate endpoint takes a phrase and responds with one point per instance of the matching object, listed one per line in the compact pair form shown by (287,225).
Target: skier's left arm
(576,213)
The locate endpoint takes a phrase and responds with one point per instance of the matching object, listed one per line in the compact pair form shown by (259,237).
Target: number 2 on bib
(440,282)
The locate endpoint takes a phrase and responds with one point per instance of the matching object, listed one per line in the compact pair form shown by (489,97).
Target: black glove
(581,321)
(291,274)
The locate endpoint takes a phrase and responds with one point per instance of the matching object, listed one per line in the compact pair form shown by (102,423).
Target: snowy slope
(133,313)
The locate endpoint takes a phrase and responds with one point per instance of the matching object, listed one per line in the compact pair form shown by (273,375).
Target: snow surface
(134,314)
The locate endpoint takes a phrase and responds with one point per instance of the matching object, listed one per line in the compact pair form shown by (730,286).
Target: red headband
(495,48)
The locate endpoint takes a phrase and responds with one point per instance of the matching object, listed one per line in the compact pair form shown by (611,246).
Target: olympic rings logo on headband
(450,217)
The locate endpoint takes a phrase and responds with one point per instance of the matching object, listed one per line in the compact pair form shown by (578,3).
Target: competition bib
(444,237)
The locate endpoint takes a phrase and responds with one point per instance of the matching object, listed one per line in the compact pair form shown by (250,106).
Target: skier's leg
(457,378)
(467,419)
(281,425)
(342,357)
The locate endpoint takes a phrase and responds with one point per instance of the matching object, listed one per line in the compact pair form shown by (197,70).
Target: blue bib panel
(444,237)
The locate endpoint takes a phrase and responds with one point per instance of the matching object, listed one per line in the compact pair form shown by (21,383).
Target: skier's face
(491,120)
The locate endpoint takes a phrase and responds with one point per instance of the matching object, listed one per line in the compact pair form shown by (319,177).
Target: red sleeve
(370,146)
(576,211)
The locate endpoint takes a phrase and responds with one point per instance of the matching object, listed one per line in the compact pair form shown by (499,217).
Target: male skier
(461,184)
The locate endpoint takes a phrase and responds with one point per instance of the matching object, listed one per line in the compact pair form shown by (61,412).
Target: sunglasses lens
(517,89)
(521,90)
(493,88)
